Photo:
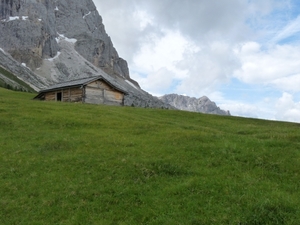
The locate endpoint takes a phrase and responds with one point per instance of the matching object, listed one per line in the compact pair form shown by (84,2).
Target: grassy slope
(63,163)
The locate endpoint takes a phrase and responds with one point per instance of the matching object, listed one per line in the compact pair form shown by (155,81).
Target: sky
(242,54)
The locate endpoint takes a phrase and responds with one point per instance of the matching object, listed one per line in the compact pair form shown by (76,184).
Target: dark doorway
(58,96)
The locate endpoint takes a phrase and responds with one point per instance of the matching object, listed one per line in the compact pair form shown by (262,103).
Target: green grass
(64,163)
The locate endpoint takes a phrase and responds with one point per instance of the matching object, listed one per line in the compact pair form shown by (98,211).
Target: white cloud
(266,66)
(195,47)
(161,52)
(250,48)
(288,83)
(261,108)
(207,68)
(143,18)
(241,109)
(130,23)
(157,81)
(262,7)
(287,108)
(157,60)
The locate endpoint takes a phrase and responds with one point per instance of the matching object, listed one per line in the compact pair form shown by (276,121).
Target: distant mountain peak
(203,104)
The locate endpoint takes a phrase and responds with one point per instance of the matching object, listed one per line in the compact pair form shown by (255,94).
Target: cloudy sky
(242,54)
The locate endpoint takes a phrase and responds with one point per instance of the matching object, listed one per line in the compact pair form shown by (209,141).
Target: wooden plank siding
(93,95)
(74,95)
(100,84)
(50,96)
(113,97)
(99,92)
(68,95)
(96,92)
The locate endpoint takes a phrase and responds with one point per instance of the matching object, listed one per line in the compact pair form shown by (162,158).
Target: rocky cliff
(203,104)
(19,73)
(48,41)
(30,30)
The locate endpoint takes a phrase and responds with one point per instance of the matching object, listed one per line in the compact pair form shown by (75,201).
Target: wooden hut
(95,90)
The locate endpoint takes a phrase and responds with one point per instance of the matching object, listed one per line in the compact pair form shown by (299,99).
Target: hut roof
(79,82)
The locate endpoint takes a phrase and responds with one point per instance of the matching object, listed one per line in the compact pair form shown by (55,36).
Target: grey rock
(49,41)
(22,72)
(29,30)
(203,104)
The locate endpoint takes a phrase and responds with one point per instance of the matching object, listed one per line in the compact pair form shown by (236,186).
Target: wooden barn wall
(100,85)
(68,95)
(99,92)
(72,95)
(113,97)
(94,95)
(50,96)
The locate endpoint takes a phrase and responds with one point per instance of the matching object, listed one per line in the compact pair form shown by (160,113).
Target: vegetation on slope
(15,84)
(64,163)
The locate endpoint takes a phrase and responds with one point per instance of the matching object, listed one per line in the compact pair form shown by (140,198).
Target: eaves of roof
(78,83)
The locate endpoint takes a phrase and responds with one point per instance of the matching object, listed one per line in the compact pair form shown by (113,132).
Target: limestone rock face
(43,42)
(22,72)
(203,104)
(30,29)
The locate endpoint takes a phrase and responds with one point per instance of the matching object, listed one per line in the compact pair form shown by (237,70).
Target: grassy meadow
(70,163)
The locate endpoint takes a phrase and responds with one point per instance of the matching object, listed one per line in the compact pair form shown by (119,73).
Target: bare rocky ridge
(29,32)
(21,72)
(48,41)
(203,104)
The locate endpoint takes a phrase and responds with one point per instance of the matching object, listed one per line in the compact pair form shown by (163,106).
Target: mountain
(9,81)
(203,104)
(15,74)
(31,31)
(43,42)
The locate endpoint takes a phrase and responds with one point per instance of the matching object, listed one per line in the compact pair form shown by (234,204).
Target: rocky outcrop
(20,72)
(44,42)
(30,29)
(203,104)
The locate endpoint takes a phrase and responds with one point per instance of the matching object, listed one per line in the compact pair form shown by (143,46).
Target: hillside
(64,163)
